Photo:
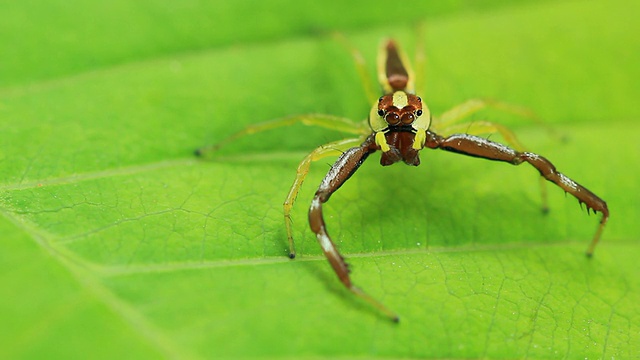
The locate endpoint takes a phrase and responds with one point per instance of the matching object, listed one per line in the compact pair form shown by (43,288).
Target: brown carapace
(400,125)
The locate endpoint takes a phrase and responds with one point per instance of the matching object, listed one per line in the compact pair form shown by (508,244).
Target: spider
(400,125)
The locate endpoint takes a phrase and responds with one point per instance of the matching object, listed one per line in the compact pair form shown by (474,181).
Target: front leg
(331,149)
(483,148)
(340,172)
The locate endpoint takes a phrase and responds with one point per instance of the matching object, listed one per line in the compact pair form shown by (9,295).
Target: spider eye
(419,99)
(380,100)
(419,112)
(407,118)
(381,112)
(392,119)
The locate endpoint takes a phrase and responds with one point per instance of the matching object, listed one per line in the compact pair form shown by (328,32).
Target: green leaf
(117,242)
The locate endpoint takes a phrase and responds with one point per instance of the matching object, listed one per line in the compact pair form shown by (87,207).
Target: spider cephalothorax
(399,108)
(396,119)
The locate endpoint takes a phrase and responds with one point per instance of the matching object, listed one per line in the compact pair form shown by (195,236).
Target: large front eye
(392,119)
(419,112)
(407,118)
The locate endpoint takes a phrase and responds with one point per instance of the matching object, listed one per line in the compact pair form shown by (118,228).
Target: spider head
(399,108)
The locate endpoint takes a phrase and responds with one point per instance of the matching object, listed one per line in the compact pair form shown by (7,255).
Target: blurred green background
(117,242)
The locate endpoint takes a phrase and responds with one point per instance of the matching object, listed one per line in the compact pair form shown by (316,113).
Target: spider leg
(420,61)
(341,170)
(334,148)
(485,127)
(472,106)
(488,127)
(321,120)
(483,148)
(361,67)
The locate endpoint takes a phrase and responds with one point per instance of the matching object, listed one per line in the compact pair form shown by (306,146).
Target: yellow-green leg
(472,106)
(334,148)
(420,61)
(361,67)
(321,120)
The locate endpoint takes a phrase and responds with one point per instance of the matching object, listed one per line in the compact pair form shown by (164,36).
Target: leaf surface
(110,224)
